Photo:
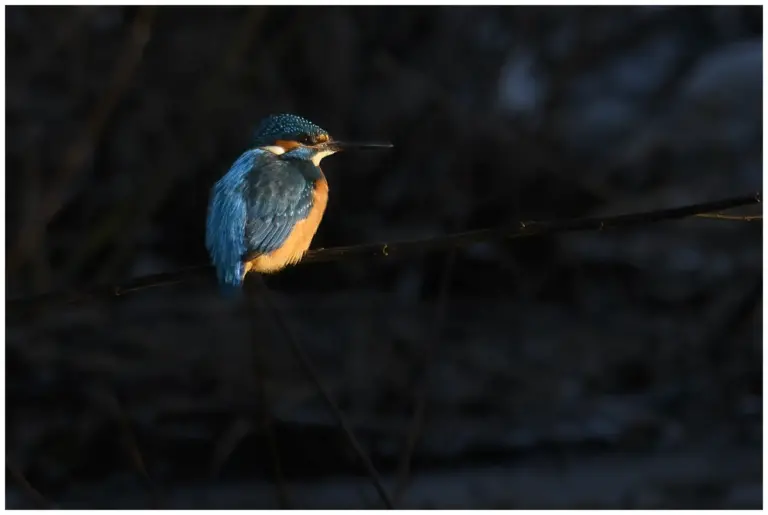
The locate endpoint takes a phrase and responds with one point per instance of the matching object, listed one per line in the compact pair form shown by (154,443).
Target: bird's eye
(305,138)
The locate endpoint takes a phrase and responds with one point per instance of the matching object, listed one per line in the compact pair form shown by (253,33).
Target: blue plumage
(279,195)
(227,213)
(253,209)
(285,126)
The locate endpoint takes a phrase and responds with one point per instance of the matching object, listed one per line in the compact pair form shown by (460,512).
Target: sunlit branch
(389,250)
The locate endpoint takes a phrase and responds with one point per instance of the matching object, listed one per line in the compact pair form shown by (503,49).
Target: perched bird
(264,212)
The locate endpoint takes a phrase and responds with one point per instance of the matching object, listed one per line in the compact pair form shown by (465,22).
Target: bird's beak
(337,146)
(331,147)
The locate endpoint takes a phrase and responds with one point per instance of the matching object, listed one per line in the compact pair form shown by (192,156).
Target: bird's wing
(278,196)
(252,211)
(225,227)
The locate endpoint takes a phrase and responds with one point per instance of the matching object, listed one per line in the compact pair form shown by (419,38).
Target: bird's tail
(230,291)
(231,282)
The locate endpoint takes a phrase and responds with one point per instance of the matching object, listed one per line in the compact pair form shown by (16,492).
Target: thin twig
(400,248)
(309,369)
(40,266)
(128,219)
(132,446)
(78,152)
(420,399)
(736,315)
(267,419)
(66,32)
(734,218)
(228,442)
(37,498)
(719,343)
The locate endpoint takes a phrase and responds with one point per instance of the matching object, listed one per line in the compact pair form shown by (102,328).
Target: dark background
(598,369)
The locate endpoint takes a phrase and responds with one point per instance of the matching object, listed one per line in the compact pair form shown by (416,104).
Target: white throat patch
(300,151)
(321,155)
(275,149)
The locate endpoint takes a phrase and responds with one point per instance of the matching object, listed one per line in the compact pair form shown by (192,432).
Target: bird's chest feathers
(300,237)
(319,203)
(319,194)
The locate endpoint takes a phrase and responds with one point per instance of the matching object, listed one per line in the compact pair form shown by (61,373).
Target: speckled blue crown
(284,126)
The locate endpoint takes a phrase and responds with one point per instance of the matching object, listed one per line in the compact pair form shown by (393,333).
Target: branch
(111,404)
(310,371)
(54,198)
(420,397)
(34,495)
(36,303)
(259,358)
(733,218)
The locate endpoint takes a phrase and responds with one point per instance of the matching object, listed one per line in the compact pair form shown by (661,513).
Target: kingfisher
(264,212)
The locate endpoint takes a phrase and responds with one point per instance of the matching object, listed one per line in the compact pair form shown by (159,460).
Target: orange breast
(297,243)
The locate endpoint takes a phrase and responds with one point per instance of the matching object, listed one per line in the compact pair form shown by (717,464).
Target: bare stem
(400,248)
(420,399)
(309,369)
(37,498)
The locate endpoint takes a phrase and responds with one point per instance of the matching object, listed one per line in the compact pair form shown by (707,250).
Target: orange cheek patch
(321,138)
(287,145)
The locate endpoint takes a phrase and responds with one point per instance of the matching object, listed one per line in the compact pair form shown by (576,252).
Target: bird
(265,210)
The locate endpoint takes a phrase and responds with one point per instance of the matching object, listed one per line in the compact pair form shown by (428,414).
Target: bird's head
(297,138)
